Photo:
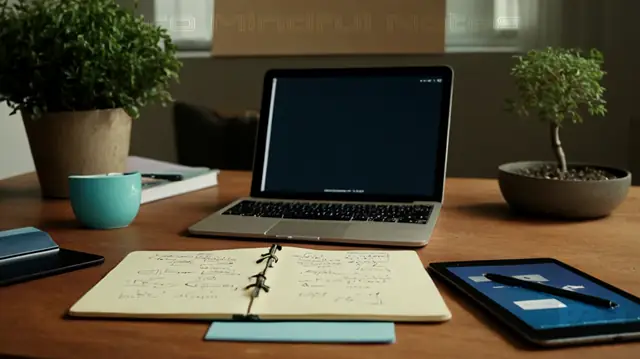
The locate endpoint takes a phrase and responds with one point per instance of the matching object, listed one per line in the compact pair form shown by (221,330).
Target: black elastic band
(245,317)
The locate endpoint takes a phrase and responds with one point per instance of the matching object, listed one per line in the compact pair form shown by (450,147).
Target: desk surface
(475,224)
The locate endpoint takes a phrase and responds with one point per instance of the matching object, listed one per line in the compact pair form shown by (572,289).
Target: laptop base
(319,231)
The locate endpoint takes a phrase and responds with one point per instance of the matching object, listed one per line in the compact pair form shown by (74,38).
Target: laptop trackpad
(308,230)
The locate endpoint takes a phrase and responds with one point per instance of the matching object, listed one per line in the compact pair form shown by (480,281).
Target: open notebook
(301,284)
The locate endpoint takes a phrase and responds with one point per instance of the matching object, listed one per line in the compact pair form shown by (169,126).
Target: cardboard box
(328,27)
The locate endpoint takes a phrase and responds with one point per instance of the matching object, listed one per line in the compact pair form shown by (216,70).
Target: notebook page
(350,285)
(181,285)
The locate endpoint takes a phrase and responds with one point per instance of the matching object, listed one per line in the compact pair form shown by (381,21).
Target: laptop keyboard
(418,214)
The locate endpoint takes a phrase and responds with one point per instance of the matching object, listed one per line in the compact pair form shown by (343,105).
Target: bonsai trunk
(557,148)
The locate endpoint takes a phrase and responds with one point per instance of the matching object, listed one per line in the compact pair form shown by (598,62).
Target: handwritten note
(176,283)
(361,277)
(347,284)
(304,284)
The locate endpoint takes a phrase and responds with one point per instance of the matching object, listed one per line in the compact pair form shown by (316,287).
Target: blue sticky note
(309,332)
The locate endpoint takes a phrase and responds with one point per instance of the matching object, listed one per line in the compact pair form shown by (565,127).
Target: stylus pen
(585,298)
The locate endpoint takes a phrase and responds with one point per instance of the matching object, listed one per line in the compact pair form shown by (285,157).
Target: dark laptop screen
(360,135)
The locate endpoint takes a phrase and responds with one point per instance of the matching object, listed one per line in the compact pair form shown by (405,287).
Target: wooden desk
(474,225)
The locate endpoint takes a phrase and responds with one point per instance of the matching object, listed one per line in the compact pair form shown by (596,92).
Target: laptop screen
(369,136)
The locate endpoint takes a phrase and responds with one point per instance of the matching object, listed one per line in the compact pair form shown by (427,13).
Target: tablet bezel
(545,337)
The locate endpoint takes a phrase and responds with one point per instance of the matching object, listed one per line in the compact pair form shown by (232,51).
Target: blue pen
(164,176)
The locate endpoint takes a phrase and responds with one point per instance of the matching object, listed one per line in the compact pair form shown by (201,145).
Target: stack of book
(164,179)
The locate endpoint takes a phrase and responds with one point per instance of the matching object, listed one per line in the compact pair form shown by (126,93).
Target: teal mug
(106,201)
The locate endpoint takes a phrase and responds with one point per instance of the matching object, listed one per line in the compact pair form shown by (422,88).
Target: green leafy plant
(80,55)
(556,85)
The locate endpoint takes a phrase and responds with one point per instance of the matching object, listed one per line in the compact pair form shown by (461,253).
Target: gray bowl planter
(563,199)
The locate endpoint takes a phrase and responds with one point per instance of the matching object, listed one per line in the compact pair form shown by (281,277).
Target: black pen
(164,176)
(585,298)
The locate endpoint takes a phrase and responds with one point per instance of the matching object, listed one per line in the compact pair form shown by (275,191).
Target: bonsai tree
(556,85)
(79,55)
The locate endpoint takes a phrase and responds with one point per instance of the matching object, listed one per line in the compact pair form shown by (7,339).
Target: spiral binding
(261,277)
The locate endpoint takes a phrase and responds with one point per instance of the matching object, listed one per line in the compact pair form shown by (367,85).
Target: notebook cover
(29,253)
(194,178)
(309,332)
(20,242)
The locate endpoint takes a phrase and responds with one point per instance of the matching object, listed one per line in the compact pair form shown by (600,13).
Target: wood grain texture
(475,224)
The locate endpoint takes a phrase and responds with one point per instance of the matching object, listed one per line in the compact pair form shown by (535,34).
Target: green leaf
(75,55)
(557,84)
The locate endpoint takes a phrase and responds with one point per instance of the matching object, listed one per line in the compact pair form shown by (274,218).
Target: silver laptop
(350,155)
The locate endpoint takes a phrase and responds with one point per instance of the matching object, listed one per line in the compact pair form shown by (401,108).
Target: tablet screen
(545,311)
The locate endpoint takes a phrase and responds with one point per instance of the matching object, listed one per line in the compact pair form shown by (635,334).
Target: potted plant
(79,71)
(557,86)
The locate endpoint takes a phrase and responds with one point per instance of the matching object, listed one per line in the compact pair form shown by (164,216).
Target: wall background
(482,135)
(15,155)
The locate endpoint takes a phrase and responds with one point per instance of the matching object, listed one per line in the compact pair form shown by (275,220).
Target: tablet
(540,318)
(44,265)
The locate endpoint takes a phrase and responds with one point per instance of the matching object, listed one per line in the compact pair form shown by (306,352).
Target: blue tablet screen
(546,311)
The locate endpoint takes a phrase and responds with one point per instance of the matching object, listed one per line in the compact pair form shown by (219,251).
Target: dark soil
(578,173)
